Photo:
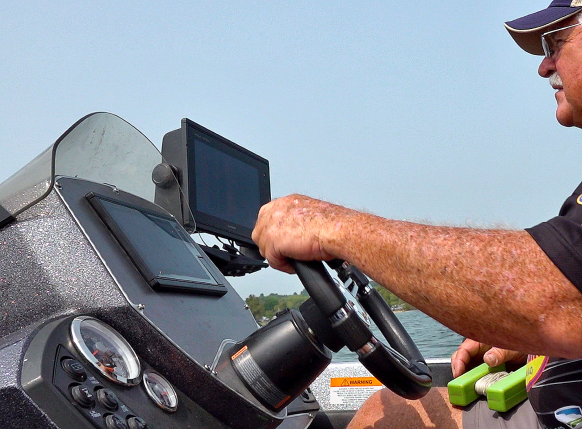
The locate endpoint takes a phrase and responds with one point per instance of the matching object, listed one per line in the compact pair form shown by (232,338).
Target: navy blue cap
(527,30)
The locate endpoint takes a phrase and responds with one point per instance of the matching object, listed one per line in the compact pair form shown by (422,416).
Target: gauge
(160,390)
(105,349)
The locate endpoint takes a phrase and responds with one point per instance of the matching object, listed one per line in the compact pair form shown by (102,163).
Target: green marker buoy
(502,395)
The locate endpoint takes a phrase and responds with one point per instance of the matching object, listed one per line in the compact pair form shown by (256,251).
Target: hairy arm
(495,286)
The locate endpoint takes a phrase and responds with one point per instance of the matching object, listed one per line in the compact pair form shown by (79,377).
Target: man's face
(564,69)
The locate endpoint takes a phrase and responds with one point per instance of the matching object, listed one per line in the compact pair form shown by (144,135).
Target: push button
(136,423)
(107,398)
(74,368)
(83,396)
(115,422)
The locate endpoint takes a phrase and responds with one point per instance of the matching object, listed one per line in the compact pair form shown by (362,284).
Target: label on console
(256,379)
(352,390)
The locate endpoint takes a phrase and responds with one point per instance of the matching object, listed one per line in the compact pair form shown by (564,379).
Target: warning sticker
(256,379)
(352,390)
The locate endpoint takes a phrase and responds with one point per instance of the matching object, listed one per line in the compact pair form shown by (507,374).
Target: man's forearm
(495,286)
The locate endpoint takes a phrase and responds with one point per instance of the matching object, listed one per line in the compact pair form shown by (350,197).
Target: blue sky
(424,112)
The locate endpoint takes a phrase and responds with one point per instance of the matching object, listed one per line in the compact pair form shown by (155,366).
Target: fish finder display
(224,184)
(236,181)
(227,184)
(160,248)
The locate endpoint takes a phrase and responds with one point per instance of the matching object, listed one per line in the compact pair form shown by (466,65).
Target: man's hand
(470,350)
(293,227)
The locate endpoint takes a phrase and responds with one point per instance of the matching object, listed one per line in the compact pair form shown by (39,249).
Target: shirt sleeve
(561,238)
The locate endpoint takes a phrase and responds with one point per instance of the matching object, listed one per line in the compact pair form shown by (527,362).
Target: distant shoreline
(265,307)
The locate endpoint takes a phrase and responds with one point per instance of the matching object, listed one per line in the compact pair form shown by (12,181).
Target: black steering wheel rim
(399,365)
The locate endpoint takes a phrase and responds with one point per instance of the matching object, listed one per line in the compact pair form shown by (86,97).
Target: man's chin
(565,121)
(564,113)
(564,110)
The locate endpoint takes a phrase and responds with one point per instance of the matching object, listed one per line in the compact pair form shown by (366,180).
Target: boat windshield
(101,147)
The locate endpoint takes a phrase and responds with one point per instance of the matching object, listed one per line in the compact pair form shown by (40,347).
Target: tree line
(264,307)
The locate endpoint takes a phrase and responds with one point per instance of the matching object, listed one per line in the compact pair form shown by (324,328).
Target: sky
(425,112)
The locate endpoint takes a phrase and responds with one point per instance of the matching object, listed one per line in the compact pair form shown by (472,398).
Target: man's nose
(547,67)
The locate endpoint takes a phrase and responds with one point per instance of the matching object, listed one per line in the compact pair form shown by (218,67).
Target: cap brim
(527,31)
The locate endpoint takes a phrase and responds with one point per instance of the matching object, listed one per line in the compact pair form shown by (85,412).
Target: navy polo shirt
(561,238)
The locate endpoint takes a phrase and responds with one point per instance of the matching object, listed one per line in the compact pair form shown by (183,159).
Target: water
(432,339)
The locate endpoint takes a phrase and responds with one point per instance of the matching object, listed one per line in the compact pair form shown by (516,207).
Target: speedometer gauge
(105,349)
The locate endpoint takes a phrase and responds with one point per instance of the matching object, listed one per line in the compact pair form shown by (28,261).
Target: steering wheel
(399,366)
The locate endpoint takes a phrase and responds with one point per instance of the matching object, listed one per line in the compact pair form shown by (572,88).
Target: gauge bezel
(150,373)
(123,348)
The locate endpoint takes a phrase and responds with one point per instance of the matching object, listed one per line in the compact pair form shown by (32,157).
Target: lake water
(432,339)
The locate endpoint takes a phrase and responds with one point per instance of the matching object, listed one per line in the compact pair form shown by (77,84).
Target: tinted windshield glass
(101,147)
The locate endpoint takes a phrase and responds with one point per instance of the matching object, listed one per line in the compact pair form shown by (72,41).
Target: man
(518,290)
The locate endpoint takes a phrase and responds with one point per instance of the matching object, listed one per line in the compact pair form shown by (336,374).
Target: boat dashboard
(114,317)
